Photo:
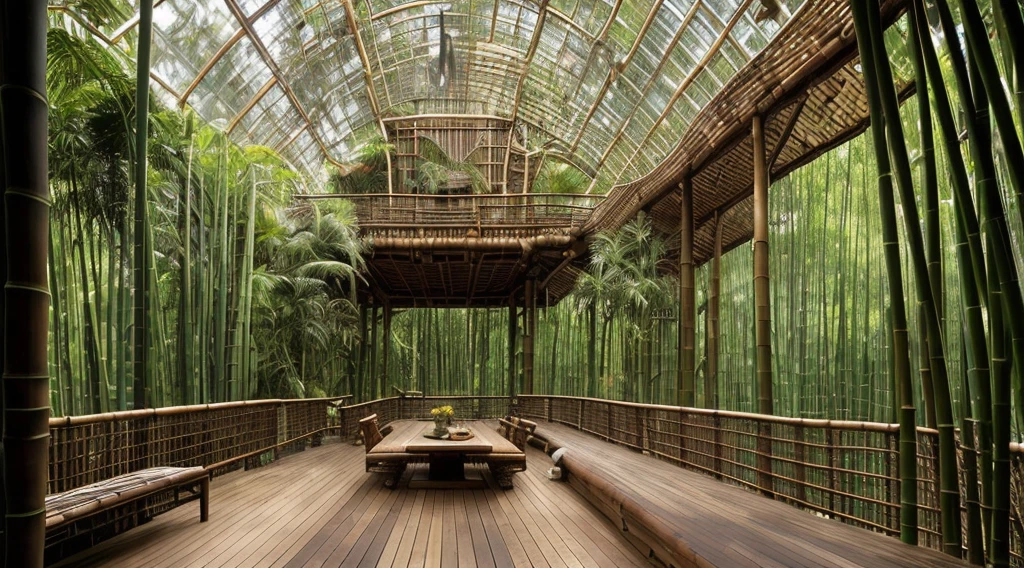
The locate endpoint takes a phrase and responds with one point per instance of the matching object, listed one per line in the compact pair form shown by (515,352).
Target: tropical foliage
(243,296)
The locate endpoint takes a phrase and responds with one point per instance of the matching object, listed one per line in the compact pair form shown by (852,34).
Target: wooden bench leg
(204,499)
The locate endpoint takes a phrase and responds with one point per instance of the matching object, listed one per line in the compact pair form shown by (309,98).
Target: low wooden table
(407,444)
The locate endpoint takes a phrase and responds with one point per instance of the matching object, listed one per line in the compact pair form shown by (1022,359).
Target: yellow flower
(444,411)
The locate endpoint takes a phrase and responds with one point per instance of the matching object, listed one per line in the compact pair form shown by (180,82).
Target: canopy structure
(638,95)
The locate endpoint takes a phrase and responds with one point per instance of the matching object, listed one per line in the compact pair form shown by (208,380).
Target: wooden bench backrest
(517,430)
(370,431)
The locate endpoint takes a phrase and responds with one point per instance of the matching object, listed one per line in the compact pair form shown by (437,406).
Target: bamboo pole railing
(841,469)
(845,470)
(484,215)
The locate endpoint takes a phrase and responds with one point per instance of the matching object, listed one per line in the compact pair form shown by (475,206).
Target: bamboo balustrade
(87,449)
(841,469)
(486,215)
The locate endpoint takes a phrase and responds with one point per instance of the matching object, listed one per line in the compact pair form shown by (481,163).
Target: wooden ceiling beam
(238,35)
(617,69)
(252,103)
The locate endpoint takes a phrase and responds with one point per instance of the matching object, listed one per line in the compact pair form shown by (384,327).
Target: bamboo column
(713,331)
(387,347)
(529,330)
(761,306)
(26,209)
(761,298)
(512,331)
(687,325)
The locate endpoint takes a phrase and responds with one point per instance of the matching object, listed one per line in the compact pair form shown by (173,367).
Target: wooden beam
(690,14)
(529,331)
(619,68)
(713,319)
(786,133)
(690,78)
(252,103)
(762,309)
(239,34)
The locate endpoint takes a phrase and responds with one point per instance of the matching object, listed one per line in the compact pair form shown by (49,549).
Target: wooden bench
(75,504)
(683,518)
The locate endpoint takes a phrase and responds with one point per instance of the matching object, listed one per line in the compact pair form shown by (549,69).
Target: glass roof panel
(614,84)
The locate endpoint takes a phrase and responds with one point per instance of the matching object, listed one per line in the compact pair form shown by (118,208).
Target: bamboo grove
(181,270)
(243,295)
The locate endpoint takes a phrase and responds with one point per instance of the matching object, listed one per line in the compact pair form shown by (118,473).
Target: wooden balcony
(669,485)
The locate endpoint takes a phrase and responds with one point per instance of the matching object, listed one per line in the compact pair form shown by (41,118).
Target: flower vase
(440,425)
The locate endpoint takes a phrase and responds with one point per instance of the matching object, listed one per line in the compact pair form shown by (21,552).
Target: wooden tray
(455,437)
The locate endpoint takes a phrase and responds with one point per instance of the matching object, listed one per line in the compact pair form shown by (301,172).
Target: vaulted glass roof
(610,86)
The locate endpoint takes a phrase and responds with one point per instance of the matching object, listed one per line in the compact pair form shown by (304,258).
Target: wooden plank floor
(728,526)
(320,508)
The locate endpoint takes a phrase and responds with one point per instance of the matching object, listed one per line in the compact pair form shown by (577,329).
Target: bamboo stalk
(687,313)
(26,211)
(908,435)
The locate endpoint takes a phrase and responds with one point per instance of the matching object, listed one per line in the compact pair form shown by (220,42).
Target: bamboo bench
(81,502)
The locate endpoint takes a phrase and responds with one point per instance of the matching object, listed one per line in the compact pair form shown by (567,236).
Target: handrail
(790,421)
(58,421)
(844,469)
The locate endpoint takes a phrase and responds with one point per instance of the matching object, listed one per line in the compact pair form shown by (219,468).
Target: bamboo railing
(87,449)
(485,215)
(409,407)
(841,469)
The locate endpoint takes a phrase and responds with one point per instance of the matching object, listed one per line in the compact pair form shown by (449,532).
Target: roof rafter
(618,68)
(257,43)
(690,15)
(209,65)
(252,103)
(371,92)
(537,29)
(690,78)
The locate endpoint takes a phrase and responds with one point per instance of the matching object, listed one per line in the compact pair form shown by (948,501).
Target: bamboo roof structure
(635,94)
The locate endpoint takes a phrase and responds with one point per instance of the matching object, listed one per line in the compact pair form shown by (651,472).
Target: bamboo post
(800,469)
(386,347)
(714,303)
(512,331)
(529,329)
(687,324)
(761,303)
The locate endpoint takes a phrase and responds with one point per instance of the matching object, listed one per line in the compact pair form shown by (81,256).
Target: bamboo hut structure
(453,116)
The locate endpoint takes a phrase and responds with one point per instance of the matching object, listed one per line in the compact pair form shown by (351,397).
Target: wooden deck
(727,526)
(320,508)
